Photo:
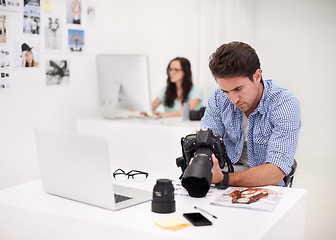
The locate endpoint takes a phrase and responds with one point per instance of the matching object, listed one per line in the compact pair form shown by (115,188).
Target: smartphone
(197,219)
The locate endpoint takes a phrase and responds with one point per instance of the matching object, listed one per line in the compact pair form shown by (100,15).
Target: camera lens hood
(198,176)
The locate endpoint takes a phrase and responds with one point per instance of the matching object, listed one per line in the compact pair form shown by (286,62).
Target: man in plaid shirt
(258,119)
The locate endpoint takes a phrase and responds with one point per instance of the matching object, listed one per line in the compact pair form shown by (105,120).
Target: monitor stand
(109,106)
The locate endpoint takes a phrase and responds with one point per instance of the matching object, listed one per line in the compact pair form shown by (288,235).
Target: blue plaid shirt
(273,127)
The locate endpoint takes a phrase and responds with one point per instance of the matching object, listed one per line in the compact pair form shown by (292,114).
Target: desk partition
(141,143)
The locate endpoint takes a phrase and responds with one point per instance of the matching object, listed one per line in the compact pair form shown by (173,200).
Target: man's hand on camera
(217,175)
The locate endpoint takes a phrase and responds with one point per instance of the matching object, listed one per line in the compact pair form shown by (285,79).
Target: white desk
(26,212)
(152,144)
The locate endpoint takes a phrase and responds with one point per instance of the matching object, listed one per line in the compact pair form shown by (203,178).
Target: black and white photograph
(90,11)
(57,72)
(53,32)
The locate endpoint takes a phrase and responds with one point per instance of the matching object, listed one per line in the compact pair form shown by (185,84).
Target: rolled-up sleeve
(285,118)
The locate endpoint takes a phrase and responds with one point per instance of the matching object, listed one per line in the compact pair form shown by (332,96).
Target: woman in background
(179,89)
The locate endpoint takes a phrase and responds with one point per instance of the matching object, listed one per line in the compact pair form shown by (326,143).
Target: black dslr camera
(197,175)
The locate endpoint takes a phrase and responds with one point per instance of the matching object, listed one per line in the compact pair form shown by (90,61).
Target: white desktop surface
(27,212)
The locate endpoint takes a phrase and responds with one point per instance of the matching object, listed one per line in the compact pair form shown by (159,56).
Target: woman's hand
(160,114)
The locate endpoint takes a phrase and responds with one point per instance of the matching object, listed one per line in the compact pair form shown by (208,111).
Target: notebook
(77,167)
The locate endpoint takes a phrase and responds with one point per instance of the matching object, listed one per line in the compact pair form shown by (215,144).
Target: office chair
(289,180)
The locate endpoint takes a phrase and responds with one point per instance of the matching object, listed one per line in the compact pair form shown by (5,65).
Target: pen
(205,212)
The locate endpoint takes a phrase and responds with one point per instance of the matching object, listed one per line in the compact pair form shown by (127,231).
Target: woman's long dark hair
(171,93)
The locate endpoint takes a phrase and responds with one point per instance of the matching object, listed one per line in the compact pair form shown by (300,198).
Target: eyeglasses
(174,70)
(121,176)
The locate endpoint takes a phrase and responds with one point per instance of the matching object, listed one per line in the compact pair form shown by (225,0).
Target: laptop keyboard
(120,198)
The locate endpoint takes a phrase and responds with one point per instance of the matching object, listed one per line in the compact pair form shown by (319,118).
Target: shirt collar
(262,104)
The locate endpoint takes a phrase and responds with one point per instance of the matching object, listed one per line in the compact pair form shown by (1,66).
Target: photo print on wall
(3,30)
(10,5)
(27,54)
(57,72)
(53,32)
(31,17)
(90,11)
(75,40)
(74,11)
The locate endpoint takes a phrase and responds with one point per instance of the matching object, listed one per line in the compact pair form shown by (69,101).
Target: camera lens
(198,176)
(196,163)
(163,196)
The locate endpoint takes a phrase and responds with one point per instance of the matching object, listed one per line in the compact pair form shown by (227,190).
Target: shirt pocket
(231,134)
(262,135)
(260,144)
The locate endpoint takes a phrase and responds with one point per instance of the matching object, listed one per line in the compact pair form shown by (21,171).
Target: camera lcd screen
(197,219)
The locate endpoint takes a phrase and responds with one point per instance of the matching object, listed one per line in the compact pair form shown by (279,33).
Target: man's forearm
(263,175)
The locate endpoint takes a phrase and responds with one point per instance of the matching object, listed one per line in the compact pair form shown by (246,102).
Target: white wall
(298,51)
(30,103)
(162,29)
(222,21)
(296,43)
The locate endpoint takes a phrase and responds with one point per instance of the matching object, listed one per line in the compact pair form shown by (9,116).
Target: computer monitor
(123,82)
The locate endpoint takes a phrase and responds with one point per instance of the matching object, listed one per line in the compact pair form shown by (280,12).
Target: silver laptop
(77,167)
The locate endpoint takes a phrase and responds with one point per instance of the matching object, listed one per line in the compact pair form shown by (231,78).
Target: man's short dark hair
(234,59)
